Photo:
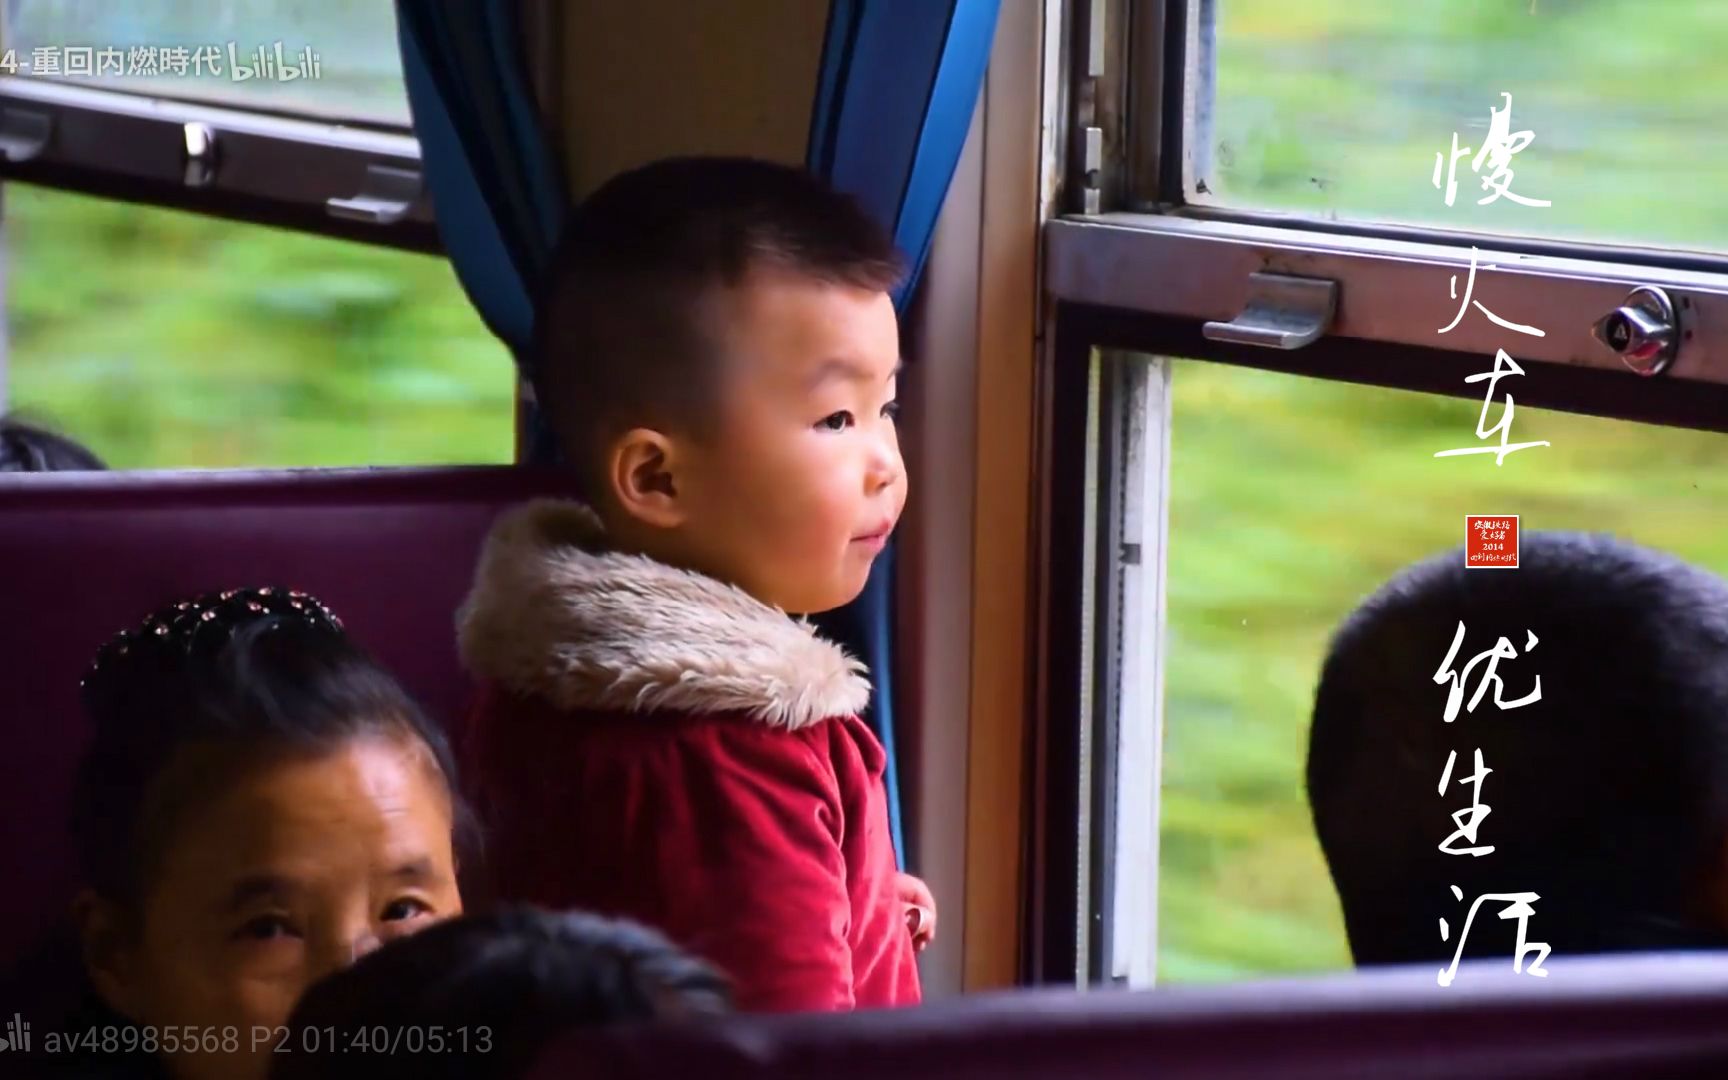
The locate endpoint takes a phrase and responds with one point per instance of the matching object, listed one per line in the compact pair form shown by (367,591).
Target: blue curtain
(899,82)
(491,171)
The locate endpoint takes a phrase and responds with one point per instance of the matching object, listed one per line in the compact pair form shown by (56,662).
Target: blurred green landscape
(1292,498)
(169,340)
(1336,109)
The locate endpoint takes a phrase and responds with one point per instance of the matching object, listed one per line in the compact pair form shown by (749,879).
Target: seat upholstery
(85,555)
(1628,1018)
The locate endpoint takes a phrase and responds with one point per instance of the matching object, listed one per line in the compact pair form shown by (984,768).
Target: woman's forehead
(368,807)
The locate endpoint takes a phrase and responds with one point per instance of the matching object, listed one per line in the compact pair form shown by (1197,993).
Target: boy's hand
(920,910)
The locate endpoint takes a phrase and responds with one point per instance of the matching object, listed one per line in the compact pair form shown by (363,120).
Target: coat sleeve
(764,894)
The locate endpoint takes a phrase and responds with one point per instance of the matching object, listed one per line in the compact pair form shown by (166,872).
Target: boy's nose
(885,466)
(885,471)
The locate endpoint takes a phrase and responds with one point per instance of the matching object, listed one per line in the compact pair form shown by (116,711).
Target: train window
(222,341)
(302,56)
(287,112)
(1236,516)
(1345,281)
(1290,499)
(168,339)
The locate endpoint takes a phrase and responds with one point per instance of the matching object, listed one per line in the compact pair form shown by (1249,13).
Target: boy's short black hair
(621,339)
(1608,796)
(499,987)
(30,448)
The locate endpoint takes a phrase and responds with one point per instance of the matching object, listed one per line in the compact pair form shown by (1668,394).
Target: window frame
(347,178)
(1078,711)
(1148,164)
(1393,300)
(269,169)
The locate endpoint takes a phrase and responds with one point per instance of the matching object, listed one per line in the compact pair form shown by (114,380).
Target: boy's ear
(107,939)
(642,473)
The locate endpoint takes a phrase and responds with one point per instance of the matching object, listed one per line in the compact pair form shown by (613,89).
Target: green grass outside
(163,339)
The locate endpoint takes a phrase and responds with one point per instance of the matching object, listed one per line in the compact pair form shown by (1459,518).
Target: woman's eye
(839,421)
(266,928)
(891,411)
(398,910)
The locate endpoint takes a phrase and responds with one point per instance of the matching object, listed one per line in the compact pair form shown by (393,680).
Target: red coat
(653,744)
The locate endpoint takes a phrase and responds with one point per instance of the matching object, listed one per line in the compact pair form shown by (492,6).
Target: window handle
(23,134)
(1644,330)
(1282,312)
(200,155)
(386,197)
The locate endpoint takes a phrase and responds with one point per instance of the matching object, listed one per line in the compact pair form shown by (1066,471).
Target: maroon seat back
(1627,1018)
(83,556)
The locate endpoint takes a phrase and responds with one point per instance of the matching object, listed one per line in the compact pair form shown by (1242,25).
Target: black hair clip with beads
(211,619)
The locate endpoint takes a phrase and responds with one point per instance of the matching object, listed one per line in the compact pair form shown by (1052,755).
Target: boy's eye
(266,928)
(839,421)
(405,908)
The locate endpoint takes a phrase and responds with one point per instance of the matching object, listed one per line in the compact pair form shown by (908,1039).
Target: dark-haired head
(29,448)
(631,334)
(506,983)
(717,353)
(1608,794)
(261,803)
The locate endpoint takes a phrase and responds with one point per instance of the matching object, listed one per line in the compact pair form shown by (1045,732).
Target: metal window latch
(1644,330)
(200,155)
(23,134)
(1282,312)
(1091,181)
(386,197)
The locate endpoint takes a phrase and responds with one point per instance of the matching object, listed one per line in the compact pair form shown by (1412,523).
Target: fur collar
(554,615)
